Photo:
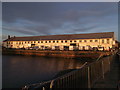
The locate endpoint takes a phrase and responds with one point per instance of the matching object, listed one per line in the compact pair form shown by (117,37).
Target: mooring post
(88,77)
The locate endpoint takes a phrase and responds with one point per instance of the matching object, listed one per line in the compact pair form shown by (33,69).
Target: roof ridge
(65,34)
(64,37)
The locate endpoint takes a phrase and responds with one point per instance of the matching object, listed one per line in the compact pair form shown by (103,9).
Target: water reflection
(21,70)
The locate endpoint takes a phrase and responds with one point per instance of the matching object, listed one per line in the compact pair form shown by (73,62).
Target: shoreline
(60,54)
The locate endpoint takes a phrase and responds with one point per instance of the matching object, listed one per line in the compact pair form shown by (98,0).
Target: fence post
(88,77)
(51,84)
(43,88)
(102,70)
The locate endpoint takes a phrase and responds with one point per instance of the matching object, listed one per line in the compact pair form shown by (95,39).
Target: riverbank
(63,54)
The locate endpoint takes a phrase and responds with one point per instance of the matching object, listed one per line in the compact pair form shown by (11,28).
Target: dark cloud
(30,11)
(81,29)
(19,30)
(54,18)
(85,29)
(39,30)
(48,12)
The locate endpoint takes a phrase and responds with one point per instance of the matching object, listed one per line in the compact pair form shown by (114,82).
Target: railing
(83,77)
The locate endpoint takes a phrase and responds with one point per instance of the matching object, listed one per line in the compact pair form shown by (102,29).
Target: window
(45,41)
(28,42)
(102,41)
(74,40)
(107,41)
(85,41)
(70,40)
(49,41)
(65,40)
(57,41)
(34,42)
(25,42)
(73,44)
(90,40)
(53,41)
(38,41)
(61,41)
(80,41)
(41,41)
(96,40)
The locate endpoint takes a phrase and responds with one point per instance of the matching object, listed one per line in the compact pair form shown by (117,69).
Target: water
(18,71)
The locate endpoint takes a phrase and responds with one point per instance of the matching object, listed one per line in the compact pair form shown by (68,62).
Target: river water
(18,71)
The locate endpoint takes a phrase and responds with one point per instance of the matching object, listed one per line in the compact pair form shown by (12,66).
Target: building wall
(106,43)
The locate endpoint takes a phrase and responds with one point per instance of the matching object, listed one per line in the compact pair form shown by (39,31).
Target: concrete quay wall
(64,54)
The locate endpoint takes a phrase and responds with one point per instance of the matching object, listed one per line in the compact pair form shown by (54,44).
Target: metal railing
(84,77)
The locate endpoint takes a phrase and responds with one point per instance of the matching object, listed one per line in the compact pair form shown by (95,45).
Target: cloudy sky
(50,18)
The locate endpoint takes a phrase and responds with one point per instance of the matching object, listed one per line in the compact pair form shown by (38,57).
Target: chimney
(8,36)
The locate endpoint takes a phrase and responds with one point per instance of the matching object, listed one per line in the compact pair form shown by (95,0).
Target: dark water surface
(18,71)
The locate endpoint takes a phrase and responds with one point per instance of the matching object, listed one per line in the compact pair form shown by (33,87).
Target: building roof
(65,37)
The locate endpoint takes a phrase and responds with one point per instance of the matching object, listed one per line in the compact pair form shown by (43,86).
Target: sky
(53,18)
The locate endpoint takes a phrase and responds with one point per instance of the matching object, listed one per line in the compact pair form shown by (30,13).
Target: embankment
(64,54)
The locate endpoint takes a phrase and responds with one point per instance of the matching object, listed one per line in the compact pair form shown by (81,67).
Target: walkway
(111,78)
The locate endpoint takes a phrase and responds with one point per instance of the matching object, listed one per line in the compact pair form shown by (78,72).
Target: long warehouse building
(106,40)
